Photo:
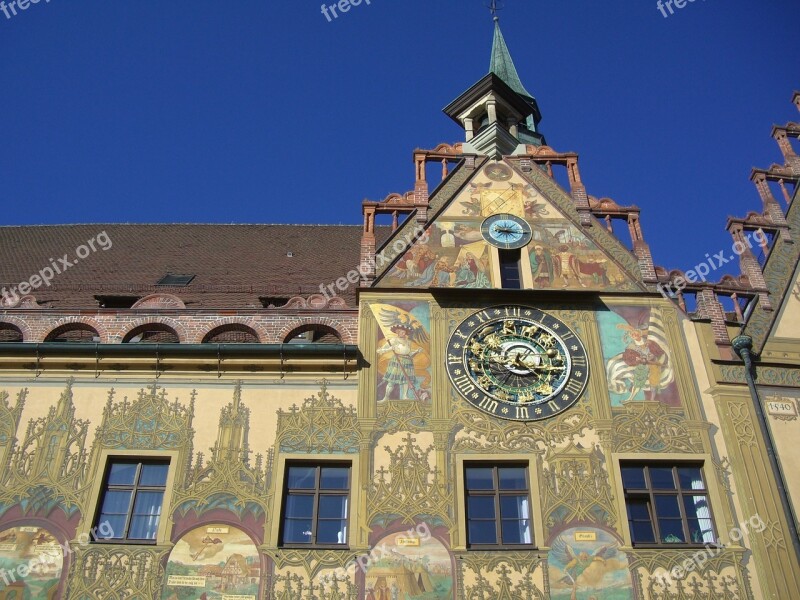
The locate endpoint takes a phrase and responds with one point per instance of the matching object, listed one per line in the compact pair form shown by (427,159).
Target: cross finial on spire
(494,6)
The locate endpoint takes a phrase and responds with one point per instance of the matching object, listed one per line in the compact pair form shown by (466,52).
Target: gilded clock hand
(498,358)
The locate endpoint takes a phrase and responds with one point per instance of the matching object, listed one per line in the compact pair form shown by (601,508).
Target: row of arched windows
(158,333)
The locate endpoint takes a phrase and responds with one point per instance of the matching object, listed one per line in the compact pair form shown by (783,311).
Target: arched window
(74,333)
(152,333)
(10,333)
(313,334)
(231,334)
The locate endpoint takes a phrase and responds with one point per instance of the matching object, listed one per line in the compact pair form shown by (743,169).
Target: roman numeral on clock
(464,384)
(482,316)
(488,404)
(574,387)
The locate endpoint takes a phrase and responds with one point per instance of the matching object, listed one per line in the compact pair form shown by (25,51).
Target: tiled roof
(233,265)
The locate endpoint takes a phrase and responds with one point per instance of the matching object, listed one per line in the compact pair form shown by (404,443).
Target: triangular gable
(782,274)
(786,327)
(561,255)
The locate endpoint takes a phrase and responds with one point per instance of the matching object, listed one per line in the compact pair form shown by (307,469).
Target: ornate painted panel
(212,561)
(638,359)
(31,560)
(409,567)
(403,350)
(455,253)
(586,564)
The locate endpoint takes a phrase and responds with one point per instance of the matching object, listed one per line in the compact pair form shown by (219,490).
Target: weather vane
(494,6)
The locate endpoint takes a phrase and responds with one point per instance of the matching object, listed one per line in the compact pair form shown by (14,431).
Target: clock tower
(497,113)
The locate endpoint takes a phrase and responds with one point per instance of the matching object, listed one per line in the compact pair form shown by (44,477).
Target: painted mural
(452,257)
(213,561)
(586,564)
(34,553)
(638,359)
(404,350)
(455,254)
(562,257)
(410,568)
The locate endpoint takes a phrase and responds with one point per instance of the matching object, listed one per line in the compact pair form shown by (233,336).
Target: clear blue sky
(265,112)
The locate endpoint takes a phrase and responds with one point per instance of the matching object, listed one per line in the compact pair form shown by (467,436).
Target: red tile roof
(233,265)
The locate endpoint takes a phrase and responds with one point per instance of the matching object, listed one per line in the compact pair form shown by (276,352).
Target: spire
(502,65)
(497,113)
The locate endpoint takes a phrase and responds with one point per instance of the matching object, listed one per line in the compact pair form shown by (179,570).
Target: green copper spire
(502,65)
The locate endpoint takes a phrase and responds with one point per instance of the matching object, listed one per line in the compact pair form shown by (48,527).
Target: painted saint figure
(542,267)
(400,378)
(443,271)
(400,372)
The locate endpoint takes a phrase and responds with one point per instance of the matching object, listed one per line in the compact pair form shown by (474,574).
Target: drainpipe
(743,345)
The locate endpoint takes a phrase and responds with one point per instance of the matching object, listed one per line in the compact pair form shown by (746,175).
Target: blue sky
(266,112)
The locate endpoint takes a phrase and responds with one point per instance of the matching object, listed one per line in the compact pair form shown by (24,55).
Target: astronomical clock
(517,362)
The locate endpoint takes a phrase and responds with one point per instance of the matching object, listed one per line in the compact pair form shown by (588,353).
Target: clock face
(506,231)
(517,362)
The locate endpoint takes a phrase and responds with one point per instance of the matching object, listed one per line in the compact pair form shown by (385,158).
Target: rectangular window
(130,507)
(498,505)
(667,504)
(510,278)
(315,505)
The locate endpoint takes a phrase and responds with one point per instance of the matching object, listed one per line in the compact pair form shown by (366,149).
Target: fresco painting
(410,568)
(562,257)
(403,351)
(213,561)
(586,564)
(638,359)
(455,254)
(38,551)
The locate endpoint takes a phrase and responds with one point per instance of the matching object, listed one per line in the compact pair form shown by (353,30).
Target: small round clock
(506,231)
(517,362)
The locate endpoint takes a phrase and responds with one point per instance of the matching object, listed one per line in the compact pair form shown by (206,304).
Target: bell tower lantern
(497,113)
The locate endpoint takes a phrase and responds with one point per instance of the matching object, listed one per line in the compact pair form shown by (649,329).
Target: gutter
(742,345)
(53,349)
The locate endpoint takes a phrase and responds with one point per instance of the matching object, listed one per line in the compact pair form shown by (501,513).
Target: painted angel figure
(401,373)
(575,563)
